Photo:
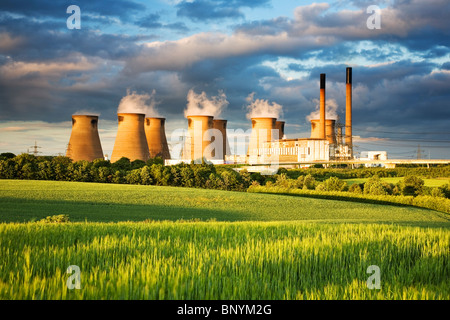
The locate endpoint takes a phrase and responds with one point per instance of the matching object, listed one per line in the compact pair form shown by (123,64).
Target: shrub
(437,192)
(411,186)
(332,184)
(309,182)
(355,188)
(133,177)
(375,186)
(445,190)
(61,218)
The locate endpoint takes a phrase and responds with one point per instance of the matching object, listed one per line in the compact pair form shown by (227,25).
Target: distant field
(436,182)
(26,200)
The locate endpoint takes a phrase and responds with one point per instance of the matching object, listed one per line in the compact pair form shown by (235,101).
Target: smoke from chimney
(139,103)
(331,110)
(261,108)
(201,105)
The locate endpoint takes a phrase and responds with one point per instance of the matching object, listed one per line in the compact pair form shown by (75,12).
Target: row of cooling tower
(142,138)
(138,138)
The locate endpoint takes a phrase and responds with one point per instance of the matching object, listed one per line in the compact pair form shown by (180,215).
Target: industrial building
(141,138)
(267,140)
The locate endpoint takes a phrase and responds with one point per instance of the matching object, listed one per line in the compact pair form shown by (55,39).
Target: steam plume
(260,108)
(331,107)
(139,103)
(201,105)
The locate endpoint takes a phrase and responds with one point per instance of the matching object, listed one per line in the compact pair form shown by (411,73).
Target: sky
(235,52)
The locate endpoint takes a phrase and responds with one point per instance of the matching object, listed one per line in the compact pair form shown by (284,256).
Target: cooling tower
(348,111)
(279,125)
(130,140)
(261,132)
(84,143)
(156,137)
(197,128)
(322,130)
(330,130)
(221,125)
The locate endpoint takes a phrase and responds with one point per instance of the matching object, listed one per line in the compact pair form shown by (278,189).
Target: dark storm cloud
(202,10)
(152,21)
(123,9)
(394,92)
(374,75)
(42,41)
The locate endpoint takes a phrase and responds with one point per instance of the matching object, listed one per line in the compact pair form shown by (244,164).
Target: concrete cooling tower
(261,132)
(130,140)
(221,125)
(279,125)
(156,137)
(197,142)
(330,130)
(84,143)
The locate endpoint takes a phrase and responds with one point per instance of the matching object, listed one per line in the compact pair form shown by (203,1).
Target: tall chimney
(348,112)
(279,125)
(322,129)
(197,127)
(130,140)
(156,137)
(261,132)
(221,125)
(84,143)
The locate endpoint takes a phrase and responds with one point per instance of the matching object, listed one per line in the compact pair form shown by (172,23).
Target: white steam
(139,103)
(331,107)
(260,108)
(201,105)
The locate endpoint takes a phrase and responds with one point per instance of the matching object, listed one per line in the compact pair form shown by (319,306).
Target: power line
(399,132)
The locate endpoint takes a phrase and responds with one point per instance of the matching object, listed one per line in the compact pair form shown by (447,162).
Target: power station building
(141,138)
(326,143)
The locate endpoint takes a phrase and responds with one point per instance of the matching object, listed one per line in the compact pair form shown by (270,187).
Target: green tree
(411,186)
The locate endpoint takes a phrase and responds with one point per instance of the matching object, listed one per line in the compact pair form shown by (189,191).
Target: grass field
(262,246)
(24,201)
(436,182)
(223,260)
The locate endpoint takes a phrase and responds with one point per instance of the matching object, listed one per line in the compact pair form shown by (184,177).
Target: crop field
(128,245)
(25,200)
(223,260)
(435,182)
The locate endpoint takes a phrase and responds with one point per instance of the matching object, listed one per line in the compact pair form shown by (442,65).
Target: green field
(435,182)
(262,246)
(25,200)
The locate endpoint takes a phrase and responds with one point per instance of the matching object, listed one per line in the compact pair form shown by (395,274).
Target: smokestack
(84,143)
(156,137)
(330,130)
(261,132)
(348,111)
(130,140)
(279,125)
(322,129)
(221,125)
(197,127)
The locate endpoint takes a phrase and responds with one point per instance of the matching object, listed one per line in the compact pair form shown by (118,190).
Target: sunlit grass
(23,201)
(223,260)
